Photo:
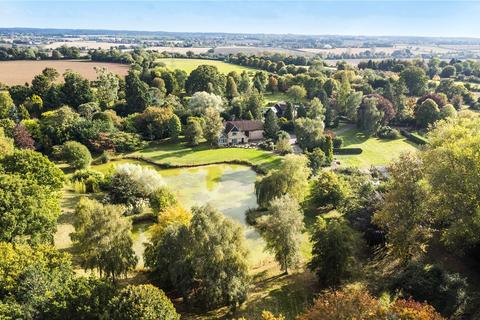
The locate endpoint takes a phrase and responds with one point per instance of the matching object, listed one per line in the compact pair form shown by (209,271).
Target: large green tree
(415,79)
(204,261)
(206,78)
(103,239)
(76,89)
(282,230)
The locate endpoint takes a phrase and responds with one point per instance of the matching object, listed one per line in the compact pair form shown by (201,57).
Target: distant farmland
(19,72)
(188,65)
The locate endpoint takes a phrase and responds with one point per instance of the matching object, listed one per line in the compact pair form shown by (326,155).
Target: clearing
(21,72)
(376,152)
(188,65)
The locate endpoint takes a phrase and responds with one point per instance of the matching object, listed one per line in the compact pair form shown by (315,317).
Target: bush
(387,132)
(415,138)
(75,154)
(267,145)
(348,151)
(445,291)
(142,302)
(92,180)
(161,199)
(337,142)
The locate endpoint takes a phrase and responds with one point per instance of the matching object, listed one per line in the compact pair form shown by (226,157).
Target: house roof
(244,125)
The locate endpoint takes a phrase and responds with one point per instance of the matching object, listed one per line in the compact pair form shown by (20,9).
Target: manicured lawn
(188,65)
(376,152)
(271,98)
(181,154)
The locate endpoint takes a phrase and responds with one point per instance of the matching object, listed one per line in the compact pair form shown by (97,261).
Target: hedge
(415,138)
(343,151)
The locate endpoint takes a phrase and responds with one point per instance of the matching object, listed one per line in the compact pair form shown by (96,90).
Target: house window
(234,140)
(234,133)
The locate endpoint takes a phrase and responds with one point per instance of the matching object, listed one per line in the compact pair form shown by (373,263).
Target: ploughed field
(20,72)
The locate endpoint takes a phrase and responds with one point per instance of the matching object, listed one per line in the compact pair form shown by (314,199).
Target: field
(376,152)
(180,154)
(20,72)
(84,44)
(188,65)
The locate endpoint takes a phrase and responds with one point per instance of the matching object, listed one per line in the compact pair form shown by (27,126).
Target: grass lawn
(181,154)
(376,152)
(271,98)
(188,65)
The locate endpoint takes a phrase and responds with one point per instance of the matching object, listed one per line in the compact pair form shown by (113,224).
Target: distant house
(242,131)
(280,109)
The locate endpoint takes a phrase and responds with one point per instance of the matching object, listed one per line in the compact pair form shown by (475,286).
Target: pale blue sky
(418,18)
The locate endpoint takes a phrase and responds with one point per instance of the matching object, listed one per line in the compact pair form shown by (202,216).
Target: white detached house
(242,131)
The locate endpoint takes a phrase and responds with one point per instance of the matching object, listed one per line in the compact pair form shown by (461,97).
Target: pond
(229,188)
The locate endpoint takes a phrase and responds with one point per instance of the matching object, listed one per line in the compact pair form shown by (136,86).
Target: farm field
(86,44)
(183,50)
(20,72)
(376,152)
(179,154)
(188,65)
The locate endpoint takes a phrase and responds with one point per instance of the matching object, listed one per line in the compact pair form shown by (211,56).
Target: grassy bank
(188,65)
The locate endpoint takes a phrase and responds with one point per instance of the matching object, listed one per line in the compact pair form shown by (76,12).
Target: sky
(335,17)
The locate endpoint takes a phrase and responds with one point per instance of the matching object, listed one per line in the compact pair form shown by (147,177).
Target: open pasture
(20,72)
(188,65)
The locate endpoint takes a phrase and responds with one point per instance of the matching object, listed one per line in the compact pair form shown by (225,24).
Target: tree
(415,79)
(231,90)
(174,127)
(316,159)
(283,145)
(254,103)
(203,76)
(193,132)
(333,251)
(316,110)
(136,93)
(404,214)
(34,105)
(107,85)
(282,230)
(309,133)
(200,101)
(55,126)
(28,210)
(31,165)
(144,302)
(205,260)
(271,126)
(297,93)
(22,138)
(6,105)
(327,148)
(162,199)
(328,190)
(89,110)
(448,72)
(76,90)
(6,144)
(153,123)
(369,116)
(103,239)
(427,113)
(245,83)
(213,126)
(291,178)
(75,154)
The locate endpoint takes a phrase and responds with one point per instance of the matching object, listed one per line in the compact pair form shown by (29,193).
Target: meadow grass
(188,65)
(376,152)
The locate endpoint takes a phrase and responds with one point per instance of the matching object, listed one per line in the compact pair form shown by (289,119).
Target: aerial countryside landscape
(248,160)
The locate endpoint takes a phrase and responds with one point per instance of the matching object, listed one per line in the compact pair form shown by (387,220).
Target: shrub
(415,138)
(144,302)
(91,179)
(387,132)
(161,199)
(443,290)
(337,142)
(267,145)
(348,151)
(75,154)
